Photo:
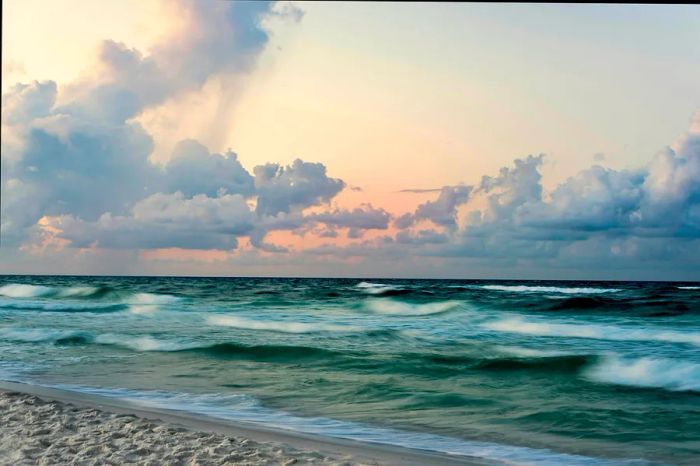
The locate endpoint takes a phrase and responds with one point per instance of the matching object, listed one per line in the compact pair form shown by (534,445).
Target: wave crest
(21,290)
(647,372)
(278,326)
(399,308)
(592,331)
(548,289)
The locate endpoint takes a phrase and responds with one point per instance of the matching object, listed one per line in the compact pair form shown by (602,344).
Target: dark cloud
(365,217)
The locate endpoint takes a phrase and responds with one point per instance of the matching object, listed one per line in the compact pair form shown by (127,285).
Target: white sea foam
(143,343)
(20,290)
(278,326)
(399,308)
(148,303)
(34,335)
(689,287)
(549,289)
(647,372)
(593,331)
(376,288)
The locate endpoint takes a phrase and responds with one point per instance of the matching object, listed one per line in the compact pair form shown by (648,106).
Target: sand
(40,426)
(34,431)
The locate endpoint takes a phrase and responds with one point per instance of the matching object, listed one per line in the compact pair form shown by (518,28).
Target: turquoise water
(514,372)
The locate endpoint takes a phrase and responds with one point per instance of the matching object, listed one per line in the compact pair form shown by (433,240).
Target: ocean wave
(399,308)
(381,289)
(559,363)
(36,335)
(285,353)
(144,343)
(688,287)
(63,307)
(278,326)
(137,302)
(548,289)
(148,303)
(592,331)
(20,290)
(647,372)
(529,352)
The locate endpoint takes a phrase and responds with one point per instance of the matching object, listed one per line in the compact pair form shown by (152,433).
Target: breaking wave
(593,331)
(647,372)
(278,326)
(548,289)
(398,308)
(20,290)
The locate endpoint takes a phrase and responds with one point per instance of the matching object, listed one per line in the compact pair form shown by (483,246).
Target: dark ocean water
(516,372)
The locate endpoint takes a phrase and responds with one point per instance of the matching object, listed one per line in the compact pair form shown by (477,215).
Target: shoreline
(335,450)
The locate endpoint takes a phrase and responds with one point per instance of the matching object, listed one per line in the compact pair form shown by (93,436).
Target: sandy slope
(34,431)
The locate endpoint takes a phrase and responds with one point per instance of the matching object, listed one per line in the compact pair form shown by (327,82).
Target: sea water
(514,372)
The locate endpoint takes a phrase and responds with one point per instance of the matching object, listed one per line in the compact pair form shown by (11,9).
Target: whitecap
(592,331)
(669,374)
(376,288)
(20,290)
(148,303)
(688,287)
(143,343)
(278,326)
(399,308)
(549,289)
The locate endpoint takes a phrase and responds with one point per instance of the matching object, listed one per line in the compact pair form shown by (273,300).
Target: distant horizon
(351,278)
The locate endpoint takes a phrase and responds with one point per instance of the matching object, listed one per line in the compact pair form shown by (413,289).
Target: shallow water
(517,372)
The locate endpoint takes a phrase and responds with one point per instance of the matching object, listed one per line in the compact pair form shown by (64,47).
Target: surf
(595,331)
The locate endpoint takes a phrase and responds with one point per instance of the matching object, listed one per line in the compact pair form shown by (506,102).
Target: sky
(359,139)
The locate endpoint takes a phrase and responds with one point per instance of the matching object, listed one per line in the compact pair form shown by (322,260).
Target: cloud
(442,211)
(24,102)
(193,170)
(364,217)
(297,186)
(87,156)
(77,164)
(421,191)
(165,221)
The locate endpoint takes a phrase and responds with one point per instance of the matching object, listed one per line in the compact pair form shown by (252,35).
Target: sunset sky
(351,139)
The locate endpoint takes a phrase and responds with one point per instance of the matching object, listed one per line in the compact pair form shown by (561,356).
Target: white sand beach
(40,426)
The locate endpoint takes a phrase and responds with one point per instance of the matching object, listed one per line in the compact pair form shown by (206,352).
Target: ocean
(513,372)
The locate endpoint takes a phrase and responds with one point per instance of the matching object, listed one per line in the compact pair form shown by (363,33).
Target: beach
(40,426)
(360,371)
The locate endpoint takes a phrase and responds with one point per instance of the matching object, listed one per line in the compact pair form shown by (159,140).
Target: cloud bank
(77,175)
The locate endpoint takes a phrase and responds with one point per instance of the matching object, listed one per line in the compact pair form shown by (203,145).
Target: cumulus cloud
(165,221)
(193,170)
(442,211)
(297,186)
(88,157)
